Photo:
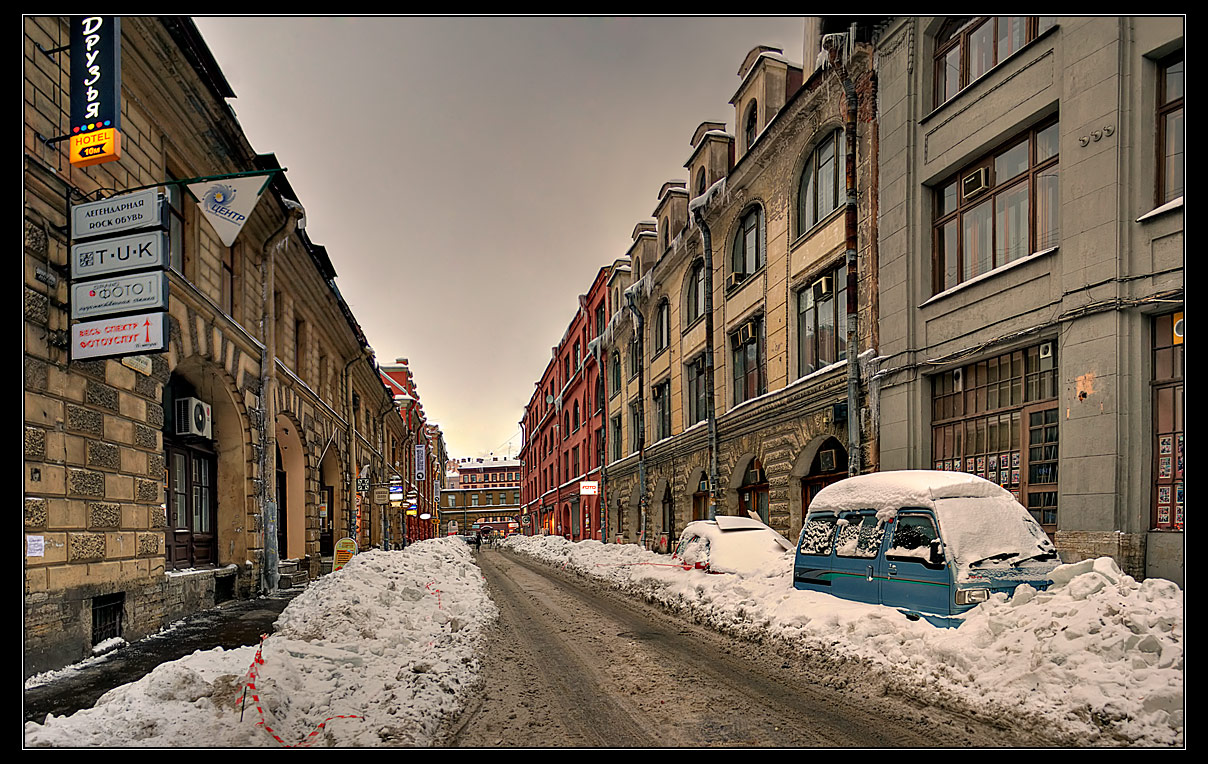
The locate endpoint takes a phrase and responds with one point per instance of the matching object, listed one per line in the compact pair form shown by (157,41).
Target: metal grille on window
(107,617)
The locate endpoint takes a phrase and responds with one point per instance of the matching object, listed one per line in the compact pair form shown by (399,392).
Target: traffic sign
(363,485)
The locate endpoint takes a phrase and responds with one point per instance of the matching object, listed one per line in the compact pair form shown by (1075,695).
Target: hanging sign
(589,488)
(126,335)
(124,254)
(142,291)
(381,495)
(227,202)
(126,212)
(96,90)
(420,461)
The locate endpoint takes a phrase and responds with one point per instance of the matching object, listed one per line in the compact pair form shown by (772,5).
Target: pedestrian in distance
(477,542)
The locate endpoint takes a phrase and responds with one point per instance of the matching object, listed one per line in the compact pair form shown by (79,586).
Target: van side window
(912,537)
(817,535)
(859,536)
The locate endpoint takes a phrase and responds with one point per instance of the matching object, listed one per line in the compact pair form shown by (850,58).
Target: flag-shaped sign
(228,202)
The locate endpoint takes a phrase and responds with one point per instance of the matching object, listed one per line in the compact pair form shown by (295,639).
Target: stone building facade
(1031,239)
(128,524)
(746,262)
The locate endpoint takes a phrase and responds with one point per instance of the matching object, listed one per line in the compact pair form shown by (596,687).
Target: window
(574,461)
(576,416)
(968,47)
(227,287)
(753,493)
(474,500)
(746,255)
(697,401)
(818,534)
(636,435)
(695,292)
(747,351)
(859,536)
(300,347)
(662,410)
(600,320)
(192,507)
(634,360)
(666,233)
(752,124)
(822,322)
(1167,383)
(997,210)
(451,500)
(615,373)
(1170,129)
(599,394)
(662,326)
(912,537)
(578,356)
(178,225)
(997,419)
(617,447)
(822,183)
(700,182)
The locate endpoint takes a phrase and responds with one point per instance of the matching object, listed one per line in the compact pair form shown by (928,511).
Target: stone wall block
(35,443)
(102,396)
(84,547)
(104,455)
(37,307)
(36,375)
(159,517)
(35,513)
(85,483)
(147,491)
(148,544)
(146,437)
(104,515)
(84,420)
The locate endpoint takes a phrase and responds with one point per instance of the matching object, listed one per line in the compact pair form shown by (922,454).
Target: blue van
(931,544)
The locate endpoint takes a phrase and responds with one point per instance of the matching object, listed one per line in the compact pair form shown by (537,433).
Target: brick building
(133,518)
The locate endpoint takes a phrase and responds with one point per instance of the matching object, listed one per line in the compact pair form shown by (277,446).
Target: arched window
(695,288)
(662,326)
(746,256)
(822,182)
(666,233)
(576,419)
(700,181)
(752,124)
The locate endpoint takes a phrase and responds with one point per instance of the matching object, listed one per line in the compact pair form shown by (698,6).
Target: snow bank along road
(570,663)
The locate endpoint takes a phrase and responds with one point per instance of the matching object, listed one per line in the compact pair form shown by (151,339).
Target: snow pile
(1095,659)
(391,640)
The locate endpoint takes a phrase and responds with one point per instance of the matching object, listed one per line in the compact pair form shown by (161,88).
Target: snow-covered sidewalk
(380,653)
(1097,659)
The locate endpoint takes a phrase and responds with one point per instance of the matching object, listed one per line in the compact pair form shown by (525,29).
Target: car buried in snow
(731,544)
(931,544)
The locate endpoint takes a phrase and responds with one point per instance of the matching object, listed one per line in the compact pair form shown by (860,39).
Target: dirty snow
(1097,659)
(389,643)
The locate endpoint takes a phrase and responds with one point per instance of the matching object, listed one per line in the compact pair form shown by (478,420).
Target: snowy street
(390,652)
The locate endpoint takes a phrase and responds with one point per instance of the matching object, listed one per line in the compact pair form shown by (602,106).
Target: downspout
(710,405)
(639,331)
(350,496)
(269,511)
(854,445)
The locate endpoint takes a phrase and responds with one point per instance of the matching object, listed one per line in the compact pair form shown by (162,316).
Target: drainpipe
(854,446)
(269,511)
(710,406)
(350,496)
(641,433)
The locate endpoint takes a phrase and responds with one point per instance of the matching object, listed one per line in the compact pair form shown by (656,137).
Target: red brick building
(564,429)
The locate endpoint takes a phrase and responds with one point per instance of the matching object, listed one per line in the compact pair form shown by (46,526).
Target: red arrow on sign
(148,325)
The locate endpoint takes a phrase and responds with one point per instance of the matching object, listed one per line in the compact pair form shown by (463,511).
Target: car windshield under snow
(991,531)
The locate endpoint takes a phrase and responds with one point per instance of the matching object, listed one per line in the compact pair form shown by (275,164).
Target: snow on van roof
(902,488)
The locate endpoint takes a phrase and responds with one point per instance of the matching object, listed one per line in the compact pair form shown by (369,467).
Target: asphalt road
(570,664)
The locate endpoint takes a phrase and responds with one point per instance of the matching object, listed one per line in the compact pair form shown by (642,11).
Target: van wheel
(912,616)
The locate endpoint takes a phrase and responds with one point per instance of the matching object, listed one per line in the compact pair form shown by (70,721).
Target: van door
(911,580)
(812,563)
(858,537)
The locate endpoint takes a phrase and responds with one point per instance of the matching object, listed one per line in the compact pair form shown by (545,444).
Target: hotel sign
(96,89)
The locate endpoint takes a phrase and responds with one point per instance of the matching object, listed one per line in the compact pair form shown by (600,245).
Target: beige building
(746,263)
(136,513)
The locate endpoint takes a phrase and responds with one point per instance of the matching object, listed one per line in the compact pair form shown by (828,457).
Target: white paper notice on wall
(35,546)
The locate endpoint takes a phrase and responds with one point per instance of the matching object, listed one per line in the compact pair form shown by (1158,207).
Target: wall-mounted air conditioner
(1046,350)
(746,333)
(823,287)
(975,182)
(192,417)
(734,279)
(958,381)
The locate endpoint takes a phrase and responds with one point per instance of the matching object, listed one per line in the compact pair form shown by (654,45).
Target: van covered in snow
(931,544)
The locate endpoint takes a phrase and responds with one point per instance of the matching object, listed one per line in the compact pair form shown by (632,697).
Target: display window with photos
(1167,387)
(997,419)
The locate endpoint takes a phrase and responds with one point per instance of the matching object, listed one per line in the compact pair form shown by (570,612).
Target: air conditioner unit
(823,287)
(975,182)
(192,417)
(958,381)
(1046,350)
(746,332)
(734,279)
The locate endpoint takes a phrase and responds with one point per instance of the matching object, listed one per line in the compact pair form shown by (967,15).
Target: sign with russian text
(344,550)
(127,335)
(420,461)
(127,212)
(381,495)
(122,294)
(96,89)
(589,488)
(227,202)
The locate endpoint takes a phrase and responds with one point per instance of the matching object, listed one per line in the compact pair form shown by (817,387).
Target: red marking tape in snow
(253,673)
(428,586)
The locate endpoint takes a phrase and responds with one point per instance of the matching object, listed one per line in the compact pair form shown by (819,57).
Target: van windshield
(991,531)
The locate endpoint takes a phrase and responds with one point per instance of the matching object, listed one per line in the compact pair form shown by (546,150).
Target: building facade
(729,361)
(1031,290)
(487,493)
(136,516)
(564,430)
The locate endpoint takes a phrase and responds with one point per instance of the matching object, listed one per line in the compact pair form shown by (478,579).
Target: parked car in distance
(931,544)
(730,544)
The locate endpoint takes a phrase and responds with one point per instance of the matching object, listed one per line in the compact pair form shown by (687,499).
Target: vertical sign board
(96,90)
(420,461)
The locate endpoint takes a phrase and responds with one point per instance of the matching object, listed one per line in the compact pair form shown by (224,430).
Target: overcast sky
(469,176)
